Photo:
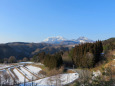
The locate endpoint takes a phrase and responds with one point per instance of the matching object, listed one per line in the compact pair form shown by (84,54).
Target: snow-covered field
(34,69)
(21,73)
(11,73)
(61,79)
(30,76)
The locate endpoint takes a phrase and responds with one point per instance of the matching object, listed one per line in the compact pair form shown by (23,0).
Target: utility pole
(73,66)
(0,81)
(24,81)
(32,81)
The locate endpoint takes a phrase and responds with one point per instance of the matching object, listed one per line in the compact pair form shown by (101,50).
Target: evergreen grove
(86,55)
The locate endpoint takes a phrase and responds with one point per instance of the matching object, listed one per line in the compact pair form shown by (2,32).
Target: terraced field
(19,74)
(29,75)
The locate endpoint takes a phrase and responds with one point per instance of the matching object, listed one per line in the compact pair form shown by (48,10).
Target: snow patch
(96,74)
(34,69)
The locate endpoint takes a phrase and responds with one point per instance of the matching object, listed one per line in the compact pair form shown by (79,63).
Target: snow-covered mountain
(54,40)
(61,40)
(83,40)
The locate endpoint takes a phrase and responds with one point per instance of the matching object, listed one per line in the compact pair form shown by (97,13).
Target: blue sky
(35,20)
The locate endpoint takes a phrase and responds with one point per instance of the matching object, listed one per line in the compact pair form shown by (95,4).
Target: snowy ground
(5,77)
(30,76)
(19,72)
(26,62)
(28,73)
(11,73)
(19,75)
(34,69)
(61,79)
(2,66)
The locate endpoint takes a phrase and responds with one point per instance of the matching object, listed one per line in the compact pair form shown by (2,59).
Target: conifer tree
(87,55)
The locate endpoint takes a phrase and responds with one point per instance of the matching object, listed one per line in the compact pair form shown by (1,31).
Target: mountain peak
(84,39)
(56,39)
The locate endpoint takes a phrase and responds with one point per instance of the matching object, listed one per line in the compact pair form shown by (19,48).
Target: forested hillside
(109,44)
(21,49)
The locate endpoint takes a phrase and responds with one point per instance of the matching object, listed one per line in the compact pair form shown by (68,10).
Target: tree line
(53,61)
(49,60)
(86,55)
(12,59)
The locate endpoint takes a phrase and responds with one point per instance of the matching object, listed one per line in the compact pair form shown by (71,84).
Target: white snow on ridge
(59,39)
(82,41)
(62,79)
(54,39)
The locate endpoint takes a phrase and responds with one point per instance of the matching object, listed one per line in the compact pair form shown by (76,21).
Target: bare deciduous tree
(12,59)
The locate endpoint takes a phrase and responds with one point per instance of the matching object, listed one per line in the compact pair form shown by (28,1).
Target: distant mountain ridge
(50,45)
(61,40)
(25,49)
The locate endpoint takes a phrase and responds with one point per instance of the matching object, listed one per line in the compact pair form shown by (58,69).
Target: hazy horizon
(46,38)
(34,21)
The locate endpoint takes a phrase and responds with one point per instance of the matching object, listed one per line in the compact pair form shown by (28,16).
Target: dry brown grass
(70,71)
(109,61)
(37,65)
(111,66)
(55,71)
